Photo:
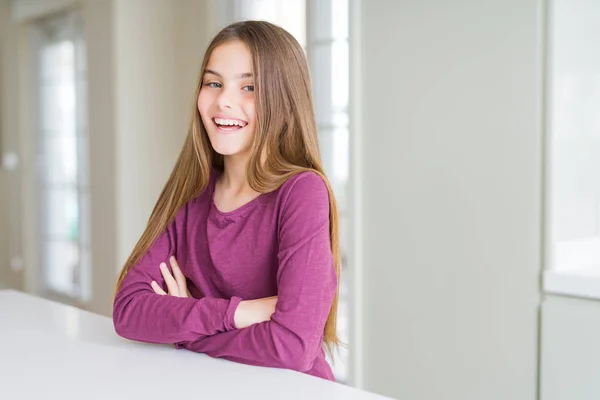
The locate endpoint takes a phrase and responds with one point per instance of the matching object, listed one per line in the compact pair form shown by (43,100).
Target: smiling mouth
(229,125)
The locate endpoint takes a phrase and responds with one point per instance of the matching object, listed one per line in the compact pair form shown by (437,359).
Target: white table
(53,351)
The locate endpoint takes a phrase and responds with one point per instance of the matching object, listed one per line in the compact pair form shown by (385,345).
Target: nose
(225,99)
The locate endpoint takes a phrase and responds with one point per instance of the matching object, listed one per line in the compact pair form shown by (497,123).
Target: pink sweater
(277,244)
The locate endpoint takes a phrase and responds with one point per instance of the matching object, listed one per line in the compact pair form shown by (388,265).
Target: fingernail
(163,265)
(172,258)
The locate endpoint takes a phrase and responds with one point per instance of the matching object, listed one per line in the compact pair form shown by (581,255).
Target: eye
(214,85)
(249,88)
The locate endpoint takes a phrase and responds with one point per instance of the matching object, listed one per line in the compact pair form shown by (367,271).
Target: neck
(234,174)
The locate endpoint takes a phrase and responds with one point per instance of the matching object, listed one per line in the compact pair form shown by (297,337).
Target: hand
(176,286)
(250,312)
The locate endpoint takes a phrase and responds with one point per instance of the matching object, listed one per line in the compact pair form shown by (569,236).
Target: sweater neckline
(238,212)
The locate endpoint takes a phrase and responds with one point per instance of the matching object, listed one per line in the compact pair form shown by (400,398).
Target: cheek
(203,105)
(203,102)
(250,110)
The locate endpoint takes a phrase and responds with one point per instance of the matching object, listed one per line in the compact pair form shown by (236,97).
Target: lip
(222,116)
(227,131)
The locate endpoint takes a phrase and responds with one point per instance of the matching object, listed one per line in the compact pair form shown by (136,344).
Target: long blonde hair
(286,131)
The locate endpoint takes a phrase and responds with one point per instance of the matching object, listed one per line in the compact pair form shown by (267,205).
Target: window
(321,27)
(573,146)
(62,149)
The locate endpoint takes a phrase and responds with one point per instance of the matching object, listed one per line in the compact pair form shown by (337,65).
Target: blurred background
(462,139)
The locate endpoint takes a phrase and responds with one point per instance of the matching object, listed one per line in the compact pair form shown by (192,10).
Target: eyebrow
(240,76)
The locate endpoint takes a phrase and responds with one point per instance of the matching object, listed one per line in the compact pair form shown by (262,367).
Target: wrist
(240,315)
(229,318)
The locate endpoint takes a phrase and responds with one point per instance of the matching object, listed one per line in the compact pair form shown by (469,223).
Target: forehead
(230,59)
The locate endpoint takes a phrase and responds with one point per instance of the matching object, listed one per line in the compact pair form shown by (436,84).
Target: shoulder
(306,184)
(306,190)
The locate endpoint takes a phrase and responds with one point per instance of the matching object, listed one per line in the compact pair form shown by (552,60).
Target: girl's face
(226,100)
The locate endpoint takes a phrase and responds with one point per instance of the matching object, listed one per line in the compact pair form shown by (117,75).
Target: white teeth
(231,122)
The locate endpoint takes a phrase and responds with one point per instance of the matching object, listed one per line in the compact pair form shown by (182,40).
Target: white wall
(99,32)
(451,190)
(570,359)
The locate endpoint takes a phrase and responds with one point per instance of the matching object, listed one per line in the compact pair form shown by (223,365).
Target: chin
(227,153)
(228,146)
(227,150)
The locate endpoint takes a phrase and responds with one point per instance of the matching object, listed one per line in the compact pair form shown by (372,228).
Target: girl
(247,221)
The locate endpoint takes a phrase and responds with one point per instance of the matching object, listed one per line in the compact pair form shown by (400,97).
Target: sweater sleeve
(306,282)
(142,315)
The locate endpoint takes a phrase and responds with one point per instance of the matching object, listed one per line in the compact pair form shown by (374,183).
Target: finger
(157,289)
(169,280)
(172,288)
(179,277)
